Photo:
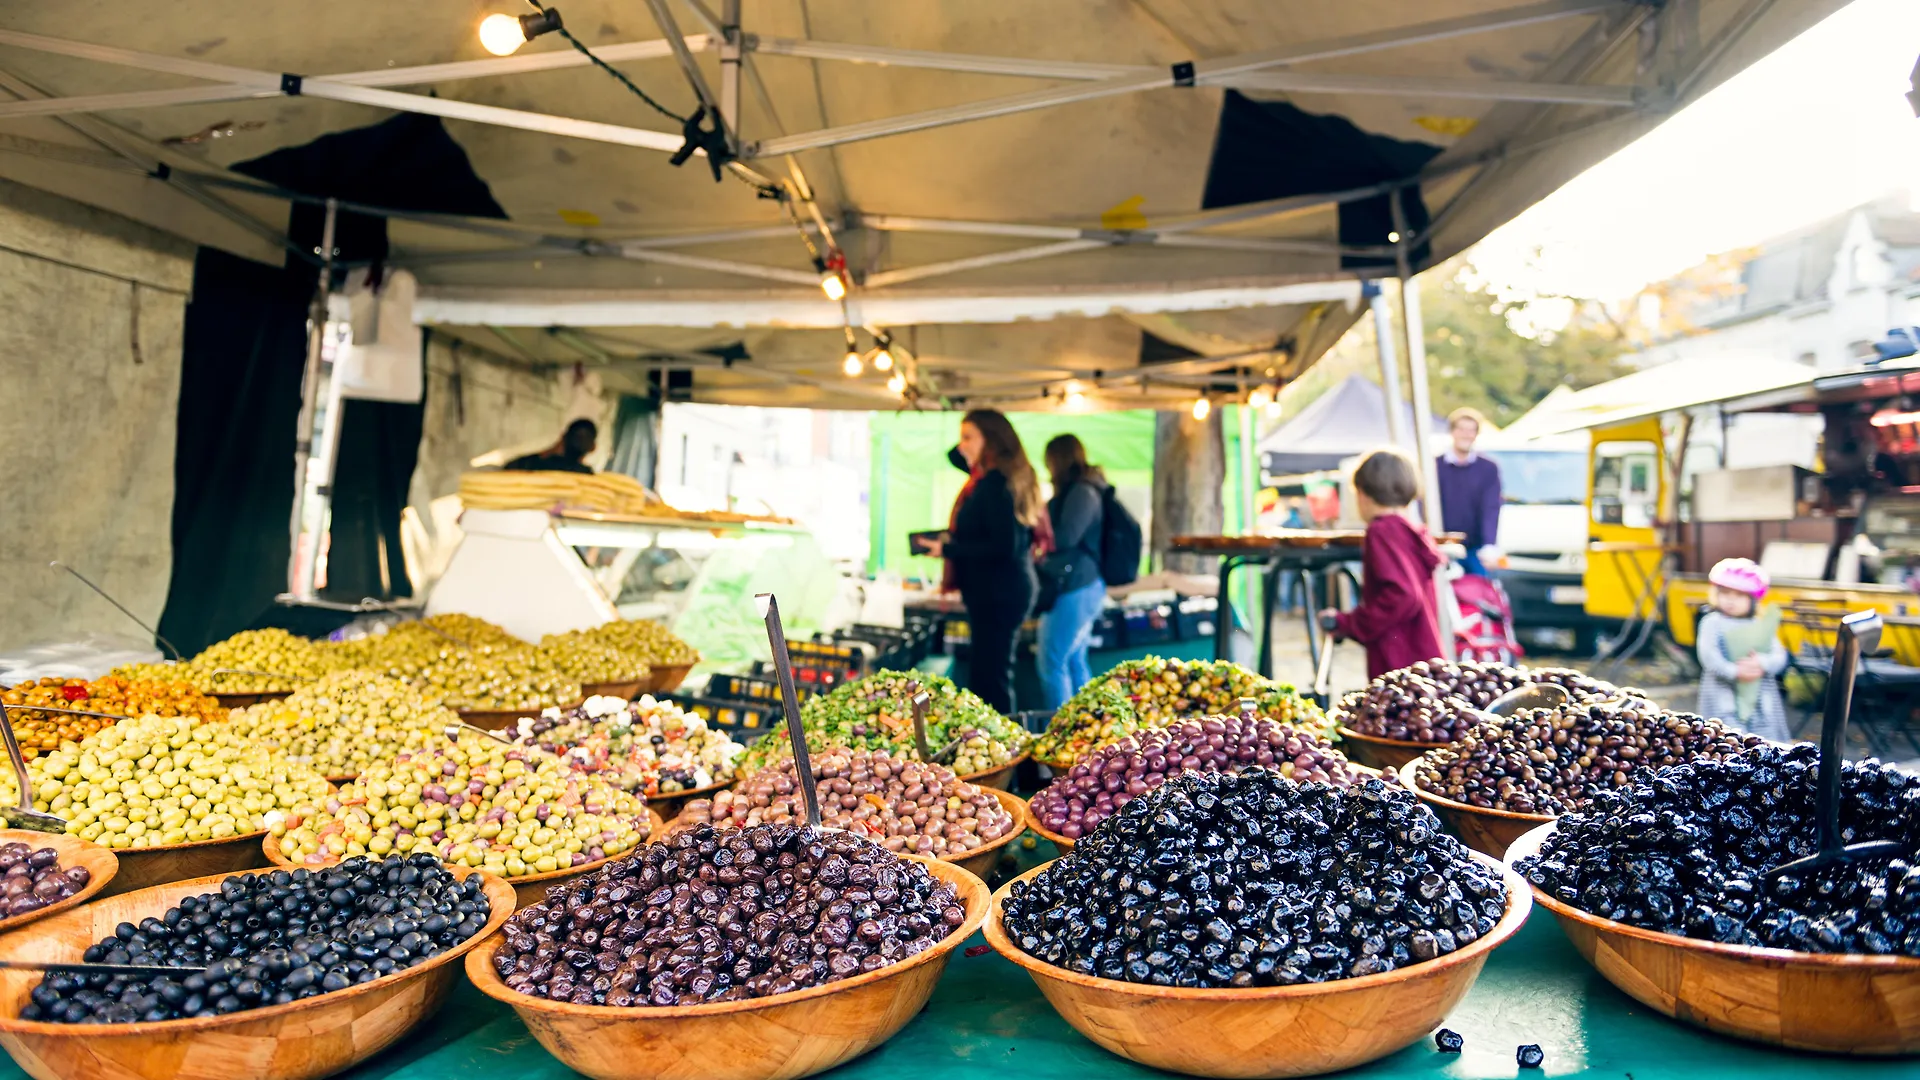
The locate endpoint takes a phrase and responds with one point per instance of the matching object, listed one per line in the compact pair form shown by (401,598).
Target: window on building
(1810,359)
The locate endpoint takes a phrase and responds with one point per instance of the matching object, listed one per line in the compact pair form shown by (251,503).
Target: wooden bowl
(771,1038)
(1824,1002)
(670,804)
(627,689)
(1487,831)
(100,863)
(1000,777)
(316,1037)
(528,889)
(1060,843)
(241,701)
(979,862)
(1383,754)
(497,719)
(1265,1031)
(666,678)
(144,868)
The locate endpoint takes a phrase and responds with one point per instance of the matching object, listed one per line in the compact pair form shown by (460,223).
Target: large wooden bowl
(1000,777)
(499,719)
(528,889)
(1266,1031)
(627,689)
(1485,830)
(665,678)
(771,1038)
(1381,753)
(241,701)
(144,868)
(100,863)
(979,862)
(1825,1002)
(316,1037)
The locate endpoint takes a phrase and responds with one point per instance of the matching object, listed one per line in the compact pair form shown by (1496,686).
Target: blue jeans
(1471,563)
(1065,633)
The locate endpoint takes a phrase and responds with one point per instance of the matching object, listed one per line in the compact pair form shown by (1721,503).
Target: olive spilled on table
(32,878)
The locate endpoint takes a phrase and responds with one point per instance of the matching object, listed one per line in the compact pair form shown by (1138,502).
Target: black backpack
(1120,541)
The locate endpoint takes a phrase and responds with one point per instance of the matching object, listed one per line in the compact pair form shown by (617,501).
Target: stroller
(1483,621)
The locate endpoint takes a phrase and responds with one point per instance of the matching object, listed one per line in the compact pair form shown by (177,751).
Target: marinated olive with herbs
(1684,850)
(1249,879)
(1155,691)
(876,713)
(344,722)
(39,731)
(271,939)
(726,915)
(649,640)
(650,746)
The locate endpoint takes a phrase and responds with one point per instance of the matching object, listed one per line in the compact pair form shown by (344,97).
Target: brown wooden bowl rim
(1065,844)
(514,714)
(1381,740)
(258,697)
(603,689)
(95,882)
(1408,778)
(971,891)
(499,897)
(1519,903)
(1011,763)
(695,792)
(1531,843)
(121,853)
(271,848)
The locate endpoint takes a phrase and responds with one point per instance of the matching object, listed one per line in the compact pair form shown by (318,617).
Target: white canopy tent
(1016,189)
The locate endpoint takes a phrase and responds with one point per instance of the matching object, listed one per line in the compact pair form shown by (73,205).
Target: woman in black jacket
(990,547)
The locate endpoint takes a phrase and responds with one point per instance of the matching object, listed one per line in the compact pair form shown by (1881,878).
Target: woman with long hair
(1072,572)
(998,524)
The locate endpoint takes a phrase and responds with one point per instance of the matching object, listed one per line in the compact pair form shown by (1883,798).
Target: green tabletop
(986,1014)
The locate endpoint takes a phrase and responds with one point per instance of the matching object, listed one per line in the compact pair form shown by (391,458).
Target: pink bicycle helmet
(1740,575)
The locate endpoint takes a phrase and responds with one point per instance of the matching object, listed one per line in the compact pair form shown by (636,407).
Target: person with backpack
(1074,576)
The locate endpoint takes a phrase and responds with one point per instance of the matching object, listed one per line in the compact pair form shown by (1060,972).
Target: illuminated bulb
(897,383)
(1201,407)
(852,365)
(1075,399)
(1393,238)
(501,34)
(882,359)
(1273,409)
(832,285)
(1259,398)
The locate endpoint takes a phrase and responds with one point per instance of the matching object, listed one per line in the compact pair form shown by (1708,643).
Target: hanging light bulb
(502,35)
(1273,409)
(898,383)
(883,356)
(1074,397)
(853,365)
(1259,398)
(1393,238)
(831,282)
(1201,407)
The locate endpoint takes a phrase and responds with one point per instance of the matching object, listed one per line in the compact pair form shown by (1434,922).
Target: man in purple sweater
(1470,491)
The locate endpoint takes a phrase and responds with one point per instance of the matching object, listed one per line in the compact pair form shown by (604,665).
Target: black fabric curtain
(1271,150)
(242,357)
(379,446)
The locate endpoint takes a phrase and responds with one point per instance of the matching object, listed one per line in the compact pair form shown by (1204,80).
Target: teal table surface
(986,1016)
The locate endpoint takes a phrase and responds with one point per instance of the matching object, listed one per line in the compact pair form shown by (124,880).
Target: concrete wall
(91,308)
(480,405)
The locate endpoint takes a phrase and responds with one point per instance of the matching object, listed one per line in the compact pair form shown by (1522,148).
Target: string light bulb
(1259,398)
(853,365)
(883,358)
(1074,397)
(831,282)
(1201,407)
(502,35)
(898,383)
(1393,237)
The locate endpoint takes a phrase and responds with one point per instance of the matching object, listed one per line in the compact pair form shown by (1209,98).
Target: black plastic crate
(760,687)
(743,718)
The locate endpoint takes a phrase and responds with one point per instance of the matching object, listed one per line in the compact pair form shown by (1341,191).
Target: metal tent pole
(300,564)
(1415,331)
(1389,364)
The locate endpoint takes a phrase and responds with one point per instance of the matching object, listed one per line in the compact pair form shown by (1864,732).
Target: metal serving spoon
(919,702)
(25,816)
(790,703)
(1529,696)
(1858,633)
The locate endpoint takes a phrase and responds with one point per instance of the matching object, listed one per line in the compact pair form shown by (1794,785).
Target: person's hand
(1329,618)
(1492,557)
(1748,669)
(932,548)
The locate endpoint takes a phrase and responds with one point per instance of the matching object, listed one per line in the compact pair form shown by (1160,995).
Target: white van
(1543,531)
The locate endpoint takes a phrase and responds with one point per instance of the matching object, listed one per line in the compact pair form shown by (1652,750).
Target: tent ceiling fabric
(1102,188)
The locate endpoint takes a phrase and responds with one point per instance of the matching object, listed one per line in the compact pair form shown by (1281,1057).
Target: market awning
(1346,421)
(1142,174)
(1671,387)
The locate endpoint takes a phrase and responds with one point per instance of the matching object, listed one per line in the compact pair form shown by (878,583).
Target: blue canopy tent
(1347,420)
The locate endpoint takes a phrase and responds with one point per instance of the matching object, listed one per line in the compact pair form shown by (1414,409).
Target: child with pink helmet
(1741,657)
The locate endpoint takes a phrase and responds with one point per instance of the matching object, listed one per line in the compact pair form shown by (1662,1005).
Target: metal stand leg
(1269,591)
(1223,614)
(1310,614)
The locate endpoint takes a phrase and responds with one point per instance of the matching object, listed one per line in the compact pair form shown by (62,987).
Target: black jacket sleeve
(1078,519)
(986,528)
